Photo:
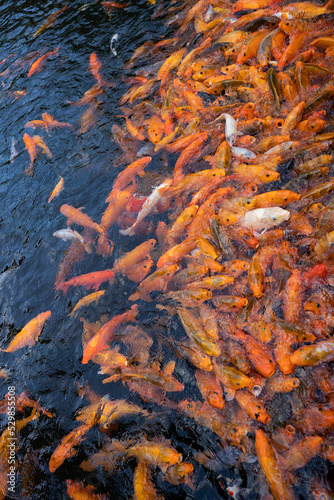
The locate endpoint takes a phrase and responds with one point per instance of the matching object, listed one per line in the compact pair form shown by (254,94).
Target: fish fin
(105,247)
(127,232)
(329,5)
(63,287)
(113,378)
(169,368)
(134,296)
(87,247)
(29,170)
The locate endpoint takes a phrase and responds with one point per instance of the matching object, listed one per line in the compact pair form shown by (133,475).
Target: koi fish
(155,453)
(51,122)
(76,215)
(85,301)
(101,339)
(262,219)
(131,259)
(29,333)
(151,202)
(37,65)
(40,142)
(91,280)
(77,490)
(142,482)
(50,20)
(57,190)
(13,151)
(31,147)
(88,96)
(279,486)
(66,448)
(71,235)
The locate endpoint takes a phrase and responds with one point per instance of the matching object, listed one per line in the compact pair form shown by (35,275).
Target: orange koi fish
(91,280)
(95,67)
(31,147)
(23,401)
(66,448)
(78,491)
(210,388)
(88,96)
(106,411)
(113,5)
(230,376)
(157,281)
(302,451)
(40,143)
(283,383)
(278,484)
(155,129)
(310,355)
(177,474)
(34,124)
(50,20)
(29,334)
(85,301)
(196,332)
(161,378)
(57,190)
(51,122)
(252,405)
(142,482)
(131,259)
(100,341)
(170,63)
(75,215)
(155,453)
(37,65)
(128,175)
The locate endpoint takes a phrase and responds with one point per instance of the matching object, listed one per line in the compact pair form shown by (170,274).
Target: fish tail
(29,170)
(63,287)
(105,247)
(127,232)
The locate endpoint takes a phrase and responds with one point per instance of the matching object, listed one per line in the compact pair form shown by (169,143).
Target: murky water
(30,256)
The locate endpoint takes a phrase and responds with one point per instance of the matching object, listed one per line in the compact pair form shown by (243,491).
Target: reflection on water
(58,118)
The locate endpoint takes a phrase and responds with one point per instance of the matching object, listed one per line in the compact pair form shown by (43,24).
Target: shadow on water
(30,256)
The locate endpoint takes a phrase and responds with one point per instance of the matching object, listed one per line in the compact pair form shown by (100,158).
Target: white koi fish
(261,219)
(71,235)
(149,205)
(242,153)
(231,132)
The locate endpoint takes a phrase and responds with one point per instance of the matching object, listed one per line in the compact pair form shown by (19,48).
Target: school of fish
(225,195)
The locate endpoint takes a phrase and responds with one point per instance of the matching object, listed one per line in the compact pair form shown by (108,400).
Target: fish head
(267,175)
(273,216)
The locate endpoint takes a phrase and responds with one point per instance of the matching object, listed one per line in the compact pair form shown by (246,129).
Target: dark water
(30,256)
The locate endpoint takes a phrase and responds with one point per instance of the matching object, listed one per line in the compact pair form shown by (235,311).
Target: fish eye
(267,175)
(273,218)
